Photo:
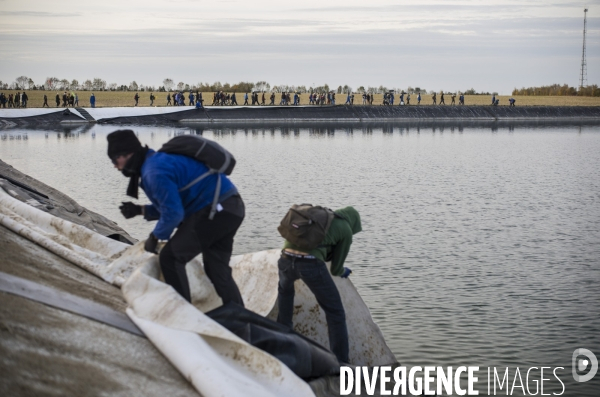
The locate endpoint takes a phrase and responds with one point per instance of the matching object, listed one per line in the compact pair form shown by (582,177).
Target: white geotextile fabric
(112,112)
(217,362)
(213,358)
(102,256)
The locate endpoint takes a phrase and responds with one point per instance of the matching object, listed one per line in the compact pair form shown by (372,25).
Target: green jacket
(337,242)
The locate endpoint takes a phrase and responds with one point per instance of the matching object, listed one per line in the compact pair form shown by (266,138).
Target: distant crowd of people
(404,99)
(178,99)
(18,100)
(221,98)
(69,99)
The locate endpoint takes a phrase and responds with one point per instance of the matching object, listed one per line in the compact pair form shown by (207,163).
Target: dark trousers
(315,275)
(214,239)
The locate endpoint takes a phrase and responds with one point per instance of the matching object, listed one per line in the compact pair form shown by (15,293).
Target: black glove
(346,273)
(129,210)
(151,243)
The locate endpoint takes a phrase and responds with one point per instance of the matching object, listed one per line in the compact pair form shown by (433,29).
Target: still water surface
(479,246)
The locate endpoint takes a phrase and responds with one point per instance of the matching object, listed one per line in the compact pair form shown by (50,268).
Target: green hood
(353,218)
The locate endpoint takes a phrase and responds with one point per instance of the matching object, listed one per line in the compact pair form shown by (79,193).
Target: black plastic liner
(304,357)
(45,198)
(51,119)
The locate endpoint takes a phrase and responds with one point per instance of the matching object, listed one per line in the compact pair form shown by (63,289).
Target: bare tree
(133,86)
(51,83)
(168,83)
(30,83)
(87,85)
(112,86)
(74,84)
(261,86)
(322,88)
(64,84)
(98,84)
(180,86)
(22,81)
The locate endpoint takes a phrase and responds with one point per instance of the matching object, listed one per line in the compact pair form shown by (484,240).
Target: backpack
(306,225)
(214,156)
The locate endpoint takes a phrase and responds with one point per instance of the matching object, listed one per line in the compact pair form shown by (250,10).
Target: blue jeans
(315,275)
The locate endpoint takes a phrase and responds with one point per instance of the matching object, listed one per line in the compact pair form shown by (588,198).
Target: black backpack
(214,156)
(306,225)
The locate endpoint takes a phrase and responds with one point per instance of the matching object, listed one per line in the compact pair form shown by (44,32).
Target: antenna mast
(583,74)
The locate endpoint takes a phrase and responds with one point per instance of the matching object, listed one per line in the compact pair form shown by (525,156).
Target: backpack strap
(226,163)
(198,179)
(335,215)
(213,209)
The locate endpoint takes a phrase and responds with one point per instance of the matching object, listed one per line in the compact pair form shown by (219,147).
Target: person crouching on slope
(162,177)
(309,265)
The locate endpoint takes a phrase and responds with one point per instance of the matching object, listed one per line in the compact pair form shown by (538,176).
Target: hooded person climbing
(205,211)
(303,257)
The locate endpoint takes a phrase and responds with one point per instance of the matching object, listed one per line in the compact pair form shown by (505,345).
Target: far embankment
(125,98)
(270,115)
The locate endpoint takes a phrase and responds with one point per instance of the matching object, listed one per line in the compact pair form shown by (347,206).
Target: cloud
(494,46)
(41,14)
(426,8)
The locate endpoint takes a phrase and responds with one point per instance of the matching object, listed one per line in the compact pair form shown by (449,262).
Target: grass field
(125,98)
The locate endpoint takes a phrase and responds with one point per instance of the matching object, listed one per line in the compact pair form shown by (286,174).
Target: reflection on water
(481,243)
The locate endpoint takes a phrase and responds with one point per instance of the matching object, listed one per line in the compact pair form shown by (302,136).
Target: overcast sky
(452,45)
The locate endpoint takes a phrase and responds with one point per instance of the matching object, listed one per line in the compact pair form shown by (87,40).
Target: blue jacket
(163,175)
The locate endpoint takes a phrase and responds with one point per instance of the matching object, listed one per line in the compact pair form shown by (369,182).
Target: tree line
(558,90)
(169,85)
